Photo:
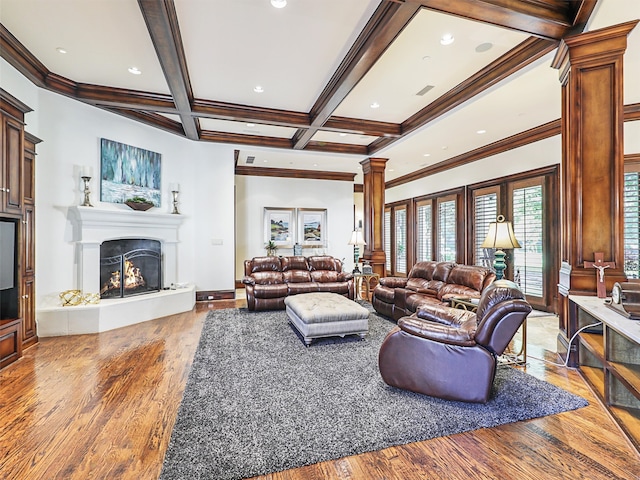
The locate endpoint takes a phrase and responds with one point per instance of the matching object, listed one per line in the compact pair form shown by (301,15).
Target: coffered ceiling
(293,88)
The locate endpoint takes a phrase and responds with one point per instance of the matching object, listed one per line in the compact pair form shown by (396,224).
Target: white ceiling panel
(103,38)
(350,138)
(416,59)
(233,46)
(246,128)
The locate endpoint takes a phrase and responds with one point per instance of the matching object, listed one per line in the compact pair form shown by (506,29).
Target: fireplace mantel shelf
(92,217)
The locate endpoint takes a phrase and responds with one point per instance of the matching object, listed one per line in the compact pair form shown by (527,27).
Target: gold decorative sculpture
(71,298)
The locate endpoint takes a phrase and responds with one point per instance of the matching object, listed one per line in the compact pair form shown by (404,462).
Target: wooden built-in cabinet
(17,205)
(609,360)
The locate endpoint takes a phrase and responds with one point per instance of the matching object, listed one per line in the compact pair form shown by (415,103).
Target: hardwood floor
(103,407)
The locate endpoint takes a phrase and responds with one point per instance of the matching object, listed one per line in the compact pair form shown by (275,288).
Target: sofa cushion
(296,276)
(324,262)
(423,270)
(421,285)
(267,278)
(469,275)
(264,264)
(445,315)
(442,270)
(297,262)
(414,301)
(462,335)
(324,276)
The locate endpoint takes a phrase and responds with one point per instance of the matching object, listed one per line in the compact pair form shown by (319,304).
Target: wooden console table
(609,360)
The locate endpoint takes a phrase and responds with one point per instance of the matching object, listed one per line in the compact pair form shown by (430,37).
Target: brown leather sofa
(269,280)
(429,283)
(450,353)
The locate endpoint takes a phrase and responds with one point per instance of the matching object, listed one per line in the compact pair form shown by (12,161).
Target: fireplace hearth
(130,267)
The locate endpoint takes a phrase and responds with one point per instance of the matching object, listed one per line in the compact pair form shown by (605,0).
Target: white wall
(71,133)
(253,194)
(540,154)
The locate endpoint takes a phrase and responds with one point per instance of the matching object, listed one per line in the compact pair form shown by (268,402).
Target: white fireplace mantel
(92,226)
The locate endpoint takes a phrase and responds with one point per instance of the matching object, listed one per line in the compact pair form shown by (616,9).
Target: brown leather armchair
(450,353)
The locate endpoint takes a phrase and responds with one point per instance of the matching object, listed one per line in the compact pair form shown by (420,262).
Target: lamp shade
(357,238)
(500,235)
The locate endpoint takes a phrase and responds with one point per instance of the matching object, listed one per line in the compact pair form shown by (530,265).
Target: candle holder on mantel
(87,192)
(175,189)
(175,202)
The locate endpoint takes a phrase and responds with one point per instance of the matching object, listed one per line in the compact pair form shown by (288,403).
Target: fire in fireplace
(130,267)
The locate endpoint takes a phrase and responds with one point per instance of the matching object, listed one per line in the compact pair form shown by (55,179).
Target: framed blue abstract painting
(127,172)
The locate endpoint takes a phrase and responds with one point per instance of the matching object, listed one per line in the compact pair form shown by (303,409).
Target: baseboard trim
(208,295)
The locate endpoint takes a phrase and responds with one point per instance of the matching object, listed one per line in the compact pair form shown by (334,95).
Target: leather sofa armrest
(393,282)
(247,280)
(345,276)
(462,335)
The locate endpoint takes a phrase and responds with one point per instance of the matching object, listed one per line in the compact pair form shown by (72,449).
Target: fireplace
(130,266)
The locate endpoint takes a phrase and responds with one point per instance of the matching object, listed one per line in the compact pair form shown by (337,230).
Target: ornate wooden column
(373,170)
(592,172)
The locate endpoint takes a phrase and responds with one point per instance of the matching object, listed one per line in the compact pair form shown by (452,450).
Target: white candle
(87,171)
(174,187)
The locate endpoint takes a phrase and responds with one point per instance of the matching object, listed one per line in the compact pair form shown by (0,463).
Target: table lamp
(356,240)
(500,236)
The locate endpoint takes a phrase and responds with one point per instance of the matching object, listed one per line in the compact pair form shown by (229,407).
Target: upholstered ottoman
(324,314)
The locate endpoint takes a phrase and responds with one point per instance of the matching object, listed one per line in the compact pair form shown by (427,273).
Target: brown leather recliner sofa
(429,283)
(451,353)
(269,280)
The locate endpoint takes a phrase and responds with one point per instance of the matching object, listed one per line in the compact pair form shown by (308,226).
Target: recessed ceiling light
(445,147)
(375,105)
(426,57)
(264,161)
(315,164)
(251,125)
(343,134)
(61,50)
(279,3)
(391,170)
(258,89)
(480,132)
(426,154)
(447,39)
(483,47)
(134,70)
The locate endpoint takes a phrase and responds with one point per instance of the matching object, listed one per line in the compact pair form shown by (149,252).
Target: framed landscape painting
(127,172)
(279,226)
(312,227)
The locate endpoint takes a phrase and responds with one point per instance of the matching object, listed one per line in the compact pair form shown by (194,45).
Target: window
(528,228)
(424,231)
(387,239)
(631,201)
(401,240)
(485,211)
(446,230)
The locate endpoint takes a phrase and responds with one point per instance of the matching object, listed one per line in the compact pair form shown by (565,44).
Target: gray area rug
(259,401)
